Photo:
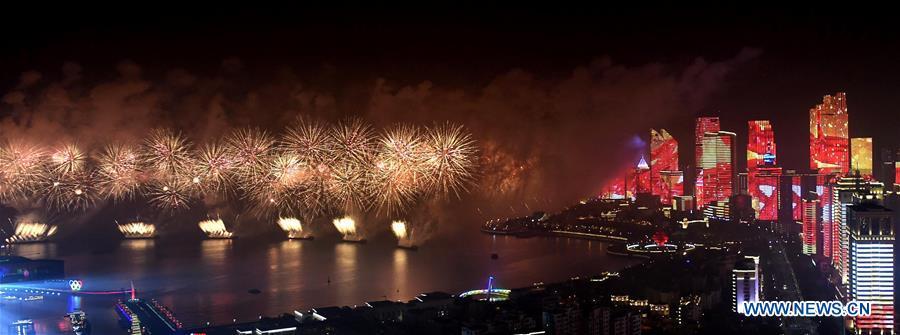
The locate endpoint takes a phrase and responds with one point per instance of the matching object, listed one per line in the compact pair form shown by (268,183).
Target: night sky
(779,62)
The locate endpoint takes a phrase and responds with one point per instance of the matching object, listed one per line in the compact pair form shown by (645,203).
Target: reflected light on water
(215,251)
(400,274)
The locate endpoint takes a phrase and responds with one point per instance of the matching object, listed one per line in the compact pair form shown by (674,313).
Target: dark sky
(805,52)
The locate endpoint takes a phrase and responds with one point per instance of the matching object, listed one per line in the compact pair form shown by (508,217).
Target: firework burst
(21,169)
(118,171)
(398,171)
(167,153)
(450,154)
(67,159)
(169,194)
(213,169)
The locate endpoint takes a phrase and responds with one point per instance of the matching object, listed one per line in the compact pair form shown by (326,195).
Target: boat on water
(79,322)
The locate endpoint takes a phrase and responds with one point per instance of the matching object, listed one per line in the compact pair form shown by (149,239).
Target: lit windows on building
(871,243)
(810,224)
(745,281)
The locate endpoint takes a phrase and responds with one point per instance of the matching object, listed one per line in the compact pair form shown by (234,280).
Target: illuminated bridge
(496,294)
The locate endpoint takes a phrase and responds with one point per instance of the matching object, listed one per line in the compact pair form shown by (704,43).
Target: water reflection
(400,275)
(215,251)
(345,271)
(35,250)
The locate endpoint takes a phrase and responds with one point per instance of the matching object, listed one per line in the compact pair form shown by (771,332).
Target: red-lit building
(829,140)
(810,224)
(673,186)
(628,182)
(764,184)
(763,177)
(704,125)
(760,144)
(796,191)
(717,163)
(664,166)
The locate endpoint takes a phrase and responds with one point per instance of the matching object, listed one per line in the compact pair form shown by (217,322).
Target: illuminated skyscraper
(764,185)
(829,135)
(664,166)
(717,162)
(745,281)
(845,192)
(810,223)
(760,144)
(861,155)
(704,125)
(871,242)
(763,177)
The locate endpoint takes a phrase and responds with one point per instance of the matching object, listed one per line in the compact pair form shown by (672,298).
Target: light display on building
(861,155)
(829,136)
(642,176)
(673,186)
(825,200)
(764,184)
(871,252)
(796,189)
(717,162)
(663,157)
(760,144)
(704,125)
(810,225)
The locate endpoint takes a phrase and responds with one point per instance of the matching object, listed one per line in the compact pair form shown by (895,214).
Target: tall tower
(829,135)
(871,237)
(704,125)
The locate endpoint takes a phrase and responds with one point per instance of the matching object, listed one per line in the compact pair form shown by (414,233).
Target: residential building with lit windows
(871,239)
